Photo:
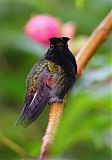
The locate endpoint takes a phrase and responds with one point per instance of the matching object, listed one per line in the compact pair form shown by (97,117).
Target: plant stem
(12,145)
(95,40)
(55,114)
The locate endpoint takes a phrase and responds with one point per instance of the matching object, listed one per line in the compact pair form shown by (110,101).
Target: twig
(95,40)
(82,58)
(56,110)
(12,145)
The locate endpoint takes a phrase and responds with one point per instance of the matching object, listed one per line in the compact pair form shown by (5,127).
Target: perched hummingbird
(49,80)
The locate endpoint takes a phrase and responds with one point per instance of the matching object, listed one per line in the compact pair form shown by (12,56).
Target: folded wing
(36,99)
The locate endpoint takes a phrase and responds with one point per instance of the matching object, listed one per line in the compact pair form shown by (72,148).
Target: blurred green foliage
(84,132)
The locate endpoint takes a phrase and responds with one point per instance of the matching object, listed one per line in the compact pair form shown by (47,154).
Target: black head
(60,53)
(59,42)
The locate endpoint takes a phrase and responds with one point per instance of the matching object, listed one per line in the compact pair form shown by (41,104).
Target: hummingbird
(49,80)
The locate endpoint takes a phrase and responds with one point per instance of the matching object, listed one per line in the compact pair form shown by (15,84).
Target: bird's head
(59,43)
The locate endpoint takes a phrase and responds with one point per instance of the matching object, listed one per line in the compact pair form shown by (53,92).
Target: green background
(84,132)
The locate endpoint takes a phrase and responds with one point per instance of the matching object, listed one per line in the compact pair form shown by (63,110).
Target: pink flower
(68,30)
(42,27)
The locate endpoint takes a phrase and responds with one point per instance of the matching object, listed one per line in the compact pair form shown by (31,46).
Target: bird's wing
(37,96)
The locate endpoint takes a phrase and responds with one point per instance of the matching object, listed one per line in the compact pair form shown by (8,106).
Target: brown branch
(82,58)
(56,110)
(95,40)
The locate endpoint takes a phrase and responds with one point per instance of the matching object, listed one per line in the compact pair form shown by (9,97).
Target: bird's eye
(52,46)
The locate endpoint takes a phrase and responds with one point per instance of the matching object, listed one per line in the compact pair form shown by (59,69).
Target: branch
(56,110)
(82,58)
(12,145)
(95,40)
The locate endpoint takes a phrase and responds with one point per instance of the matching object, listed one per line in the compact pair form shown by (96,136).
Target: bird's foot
(55,100)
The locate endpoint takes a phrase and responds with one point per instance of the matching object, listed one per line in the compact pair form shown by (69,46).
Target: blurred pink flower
(68,30)
(42,27)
